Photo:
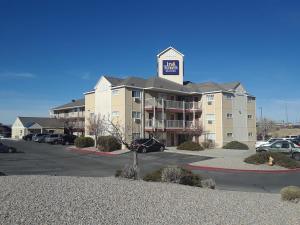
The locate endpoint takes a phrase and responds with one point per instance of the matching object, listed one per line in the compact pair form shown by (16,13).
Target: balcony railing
(171,104)
(171,124)
(67,115)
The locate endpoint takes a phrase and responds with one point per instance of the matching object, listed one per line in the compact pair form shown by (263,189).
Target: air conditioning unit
(137,100)
(137,120)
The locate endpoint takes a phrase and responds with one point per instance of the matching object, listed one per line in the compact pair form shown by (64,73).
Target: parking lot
(41,158)
(56,160)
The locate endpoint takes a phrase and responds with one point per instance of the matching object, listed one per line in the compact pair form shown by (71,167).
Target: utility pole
(262,125)
(286,115)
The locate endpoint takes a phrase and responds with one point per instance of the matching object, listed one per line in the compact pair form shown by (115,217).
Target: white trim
(169,48)
(89,92)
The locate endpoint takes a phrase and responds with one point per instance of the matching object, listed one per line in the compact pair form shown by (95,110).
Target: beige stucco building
(172,109)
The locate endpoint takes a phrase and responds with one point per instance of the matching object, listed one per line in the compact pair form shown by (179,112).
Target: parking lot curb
(208,168)
(91,152)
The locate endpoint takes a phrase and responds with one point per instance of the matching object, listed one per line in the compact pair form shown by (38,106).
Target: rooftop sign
(170,67)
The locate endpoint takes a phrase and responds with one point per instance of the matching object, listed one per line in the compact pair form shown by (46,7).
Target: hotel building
(172,109)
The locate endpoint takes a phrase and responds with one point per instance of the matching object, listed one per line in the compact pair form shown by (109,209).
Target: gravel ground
(84,200)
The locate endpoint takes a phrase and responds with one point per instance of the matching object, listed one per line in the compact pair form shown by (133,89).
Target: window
(229,135)
(209,99)
(115,113)
(136,93)
(210,118)
(250,99)
(250,134)
(228,96)
(136,115)
(229,115)
(115,92)
(249,116)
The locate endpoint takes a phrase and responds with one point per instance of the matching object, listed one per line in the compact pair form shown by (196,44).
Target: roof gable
(168,49)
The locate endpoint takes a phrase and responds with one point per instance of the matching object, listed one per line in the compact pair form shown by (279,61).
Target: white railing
(149,123)
(68,115)
(175,124)
(171,104)
(179,124)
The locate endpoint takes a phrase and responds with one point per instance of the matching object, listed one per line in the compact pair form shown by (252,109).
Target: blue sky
(53,51)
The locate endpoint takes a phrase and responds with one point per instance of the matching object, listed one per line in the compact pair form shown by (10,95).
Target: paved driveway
(56,160)
(41,158)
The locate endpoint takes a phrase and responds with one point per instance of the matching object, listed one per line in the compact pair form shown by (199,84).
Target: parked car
(39,137)
(147,144)
(7,149)
(271,140)
(296,142)
(27,137)
(281,146)
(53,138)
(67,139)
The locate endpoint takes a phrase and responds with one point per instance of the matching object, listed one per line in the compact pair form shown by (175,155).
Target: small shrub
(190,145)
(279,159)
(129,172)
(83,142)
(236,145)
(207,144)
(290,193)
(154,176)
(118,173)
(208,183)
(191,180)
(171,174)
(108,144)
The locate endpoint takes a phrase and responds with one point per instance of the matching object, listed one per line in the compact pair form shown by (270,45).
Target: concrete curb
(78,150)
(208,168)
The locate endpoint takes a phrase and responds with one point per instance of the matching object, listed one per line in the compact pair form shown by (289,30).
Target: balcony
(171,105)
(151,124)
(67,115)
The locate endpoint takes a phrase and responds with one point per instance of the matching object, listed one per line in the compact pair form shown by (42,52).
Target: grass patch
(279,159)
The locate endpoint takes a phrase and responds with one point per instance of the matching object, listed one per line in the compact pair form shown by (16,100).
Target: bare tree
(97,126)
(118,131)
(265,126)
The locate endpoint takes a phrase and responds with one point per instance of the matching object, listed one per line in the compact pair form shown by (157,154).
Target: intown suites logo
(170,67)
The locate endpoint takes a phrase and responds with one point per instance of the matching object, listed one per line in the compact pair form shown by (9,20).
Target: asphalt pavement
(56,160)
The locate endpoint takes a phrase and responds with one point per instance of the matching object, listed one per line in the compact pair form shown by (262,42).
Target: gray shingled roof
(76,103)
(42,121)
(115,81)
(158,82)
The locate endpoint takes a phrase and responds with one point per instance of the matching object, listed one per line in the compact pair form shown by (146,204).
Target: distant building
(25,125)
(72,115)
(5,131)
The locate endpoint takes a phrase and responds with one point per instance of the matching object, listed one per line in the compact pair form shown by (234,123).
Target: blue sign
(170,67)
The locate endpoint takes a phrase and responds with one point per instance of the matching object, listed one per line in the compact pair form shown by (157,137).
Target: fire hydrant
(271,161)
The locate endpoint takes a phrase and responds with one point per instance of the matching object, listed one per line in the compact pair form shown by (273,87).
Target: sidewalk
(95,151)
(227,159)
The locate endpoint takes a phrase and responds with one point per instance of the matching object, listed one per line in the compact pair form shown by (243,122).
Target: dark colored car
(27,137)
(147,145)
(67,139)
(7,149)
